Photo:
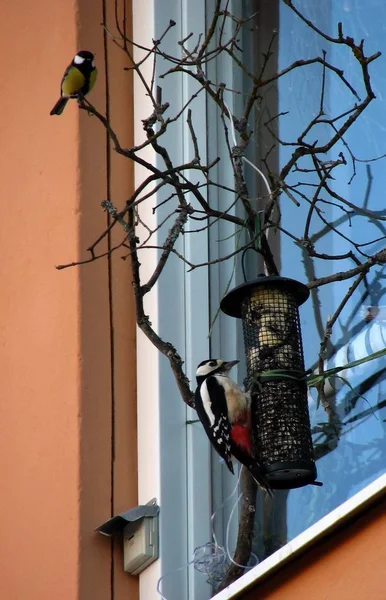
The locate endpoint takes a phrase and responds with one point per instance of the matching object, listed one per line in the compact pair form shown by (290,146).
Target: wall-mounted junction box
(140,545)
(139,527)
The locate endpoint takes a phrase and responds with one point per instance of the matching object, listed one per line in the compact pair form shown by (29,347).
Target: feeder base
(290,475)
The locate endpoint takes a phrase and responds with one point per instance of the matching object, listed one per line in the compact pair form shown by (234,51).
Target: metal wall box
(140,545)
(140,531)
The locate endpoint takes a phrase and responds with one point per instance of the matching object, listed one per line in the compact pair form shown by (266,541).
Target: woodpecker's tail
(255,471)
(59,106)
(253,467)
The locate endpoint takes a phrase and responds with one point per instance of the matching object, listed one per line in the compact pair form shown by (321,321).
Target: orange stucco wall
(67,338)
(348,565)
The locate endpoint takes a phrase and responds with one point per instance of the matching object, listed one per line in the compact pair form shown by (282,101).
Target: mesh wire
(272,341)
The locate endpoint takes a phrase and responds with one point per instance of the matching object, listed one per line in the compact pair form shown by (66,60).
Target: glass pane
(348,223)
(352,450)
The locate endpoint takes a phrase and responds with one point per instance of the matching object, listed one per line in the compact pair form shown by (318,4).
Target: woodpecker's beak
(226,366)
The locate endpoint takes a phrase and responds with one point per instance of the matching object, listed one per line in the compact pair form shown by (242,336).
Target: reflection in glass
(349,442)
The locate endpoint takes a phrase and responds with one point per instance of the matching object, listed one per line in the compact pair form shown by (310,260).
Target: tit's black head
(213,367)
(82,57)
(85,54)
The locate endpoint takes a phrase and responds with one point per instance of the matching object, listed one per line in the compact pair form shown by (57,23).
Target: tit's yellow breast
(72,82)
(93,76)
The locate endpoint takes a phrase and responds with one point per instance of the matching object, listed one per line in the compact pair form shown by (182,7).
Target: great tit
(78,79)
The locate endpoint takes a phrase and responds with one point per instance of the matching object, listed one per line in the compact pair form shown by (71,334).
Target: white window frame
(174,460)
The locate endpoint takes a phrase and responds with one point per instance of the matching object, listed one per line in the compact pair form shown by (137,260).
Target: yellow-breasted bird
(78,80)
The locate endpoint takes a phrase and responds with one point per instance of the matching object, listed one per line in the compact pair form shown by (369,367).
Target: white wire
(233,130)
(210,558)
(217,546)
(228,528)
(222,506)
(227,539)
(265,180)
(269,191)
(171,573)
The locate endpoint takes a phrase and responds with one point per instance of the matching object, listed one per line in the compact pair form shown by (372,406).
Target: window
(350,446)
(175,464)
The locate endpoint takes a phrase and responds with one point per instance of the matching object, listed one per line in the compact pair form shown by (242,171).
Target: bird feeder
(269,311)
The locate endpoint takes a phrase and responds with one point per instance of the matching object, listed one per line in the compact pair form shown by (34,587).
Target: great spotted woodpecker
(224,410)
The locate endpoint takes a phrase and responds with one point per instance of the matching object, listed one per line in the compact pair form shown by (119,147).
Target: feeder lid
(231,303)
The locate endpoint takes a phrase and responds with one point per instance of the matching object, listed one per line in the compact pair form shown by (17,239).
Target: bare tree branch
(180,189)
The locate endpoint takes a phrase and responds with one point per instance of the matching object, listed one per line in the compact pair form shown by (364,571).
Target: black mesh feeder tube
(269,311)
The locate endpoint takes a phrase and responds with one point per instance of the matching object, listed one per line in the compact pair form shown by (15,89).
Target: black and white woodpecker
(224,410)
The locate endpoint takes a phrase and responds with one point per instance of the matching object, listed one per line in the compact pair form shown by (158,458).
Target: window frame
(164,460)
(174,457)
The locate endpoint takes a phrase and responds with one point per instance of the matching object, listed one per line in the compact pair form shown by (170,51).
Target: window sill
(333,520)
